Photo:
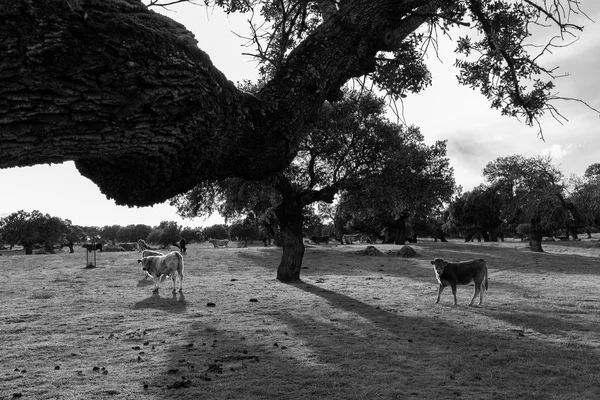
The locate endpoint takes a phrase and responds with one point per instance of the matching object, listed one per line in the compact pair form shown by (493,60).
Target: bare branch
(167,3)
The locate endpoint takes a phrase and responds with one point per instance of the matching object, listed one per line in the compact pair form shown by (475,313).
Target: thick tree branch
(127,94)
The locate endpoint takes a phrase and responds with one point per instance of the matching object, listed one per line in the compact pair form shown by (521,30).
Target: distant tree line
(521,197)
(527,198)
(35,230)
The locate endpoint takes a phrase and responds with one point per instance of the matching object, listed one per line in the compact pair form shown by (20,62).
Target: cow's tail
(486,273)
(180,264)
(486,277)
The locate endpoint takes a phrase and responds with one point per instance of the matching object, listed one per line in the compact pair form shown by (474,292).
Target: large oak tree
(351,142)
(532,190)
(126,93)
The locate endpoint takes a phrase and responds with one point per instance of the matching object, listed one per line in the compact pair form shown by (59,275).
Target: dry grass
(356,327)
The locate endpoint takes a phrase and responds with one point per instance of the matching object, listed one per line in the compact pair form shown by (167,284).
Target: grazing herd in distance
(141,244)
(160,266)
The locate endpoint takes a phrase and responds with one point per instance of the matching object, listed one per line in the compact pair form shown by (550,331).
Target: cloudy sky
(446,111)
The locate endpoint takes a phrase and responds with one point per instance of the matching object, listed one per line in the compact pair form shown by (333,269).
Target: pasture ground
(356,327)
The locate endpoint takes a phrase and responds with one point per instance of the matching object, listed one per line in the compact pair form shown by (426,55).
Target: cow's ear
(139,261)
(432,262)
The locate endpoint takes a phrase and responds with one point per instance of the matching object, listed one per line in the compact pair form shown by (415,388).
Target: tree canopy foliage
(530,194)
(352,148)
(414,181)
(35,228)
(126,93)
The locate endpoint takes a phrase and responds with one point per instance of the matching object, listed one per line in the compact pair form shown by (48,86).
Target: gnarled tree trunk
(535,236)
(289,214)
(28,247)
(292,245)
(126,93)
(395,231)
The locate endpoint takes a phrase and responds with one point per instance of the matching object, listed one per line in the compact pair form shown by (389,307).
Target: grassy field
(356,327)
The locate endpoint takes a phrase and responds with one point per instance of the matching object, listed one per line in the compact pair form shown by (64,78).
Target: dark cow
(181,245)
(320,239)
(91,247)
(170,264)
(461,273)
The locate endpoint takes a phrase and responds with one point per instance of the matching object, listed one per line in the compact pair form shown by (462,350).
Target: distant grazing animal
(91,247)
(320,239)
(142,245)
(128,246)
(181,245)
(461,273)
(170,264)
(364,238)
(219,242)
(350,239)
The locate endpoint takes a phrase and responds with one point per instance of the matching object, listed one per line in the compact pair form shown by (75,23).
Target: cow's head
(439,264)
(144,262)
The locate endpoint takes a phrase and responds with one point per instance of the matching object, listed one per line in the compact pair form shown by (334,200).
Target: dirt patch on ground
(353,328)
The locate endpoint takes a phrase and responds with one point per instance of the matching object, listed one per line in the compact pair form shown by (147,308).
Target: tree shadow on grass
(540,321)
(521,259)
(526,317)
(387,320)
(176,303)
(473,352)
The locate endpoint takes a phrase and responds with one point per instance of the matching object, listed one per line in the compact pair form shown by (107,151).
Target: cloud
(558,151)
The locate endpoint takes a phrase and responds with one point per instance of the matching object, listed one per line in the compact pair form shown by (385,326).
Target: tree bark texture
(127,94)
(290,217)
(28,248)
(535,236)
(293,250)
(395,231)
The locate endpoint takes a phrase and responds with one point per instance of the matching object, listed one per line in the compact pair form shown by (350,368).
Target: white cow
(350,239)
(219,242)
(142,245)
(170,264)
(146,253)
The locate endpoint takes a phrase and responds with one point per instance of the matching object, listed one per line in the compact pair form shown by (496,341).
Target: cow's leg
(440,290)
(173,280)
(477,291)
(481,290)
(156,282)
(454,293)
(180,281)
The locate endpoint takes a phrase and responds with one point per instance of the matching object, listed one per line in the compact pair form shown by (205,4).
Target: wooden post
(89,264)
